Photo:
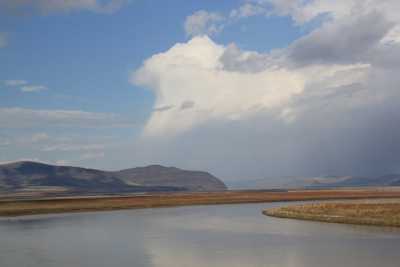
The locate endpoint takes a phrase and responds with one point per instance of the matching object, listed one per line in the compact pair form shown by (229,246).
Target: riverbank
(82,204)
(378,213)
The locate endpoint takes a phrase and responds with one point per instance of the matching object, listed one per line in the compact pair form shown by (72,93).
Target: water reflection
(229,235)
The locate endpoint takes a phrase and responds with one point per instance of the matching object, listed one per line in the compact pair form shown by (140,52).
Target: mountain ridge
(24,175)
(319,182)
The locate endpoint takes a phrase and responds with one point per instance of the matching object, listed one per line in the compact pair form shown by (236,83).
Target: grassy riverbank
(80,204)
(380,213)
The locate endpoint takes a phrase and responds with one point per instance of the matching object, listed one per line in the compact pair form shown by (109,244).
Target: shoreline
(375,213)
(12,208)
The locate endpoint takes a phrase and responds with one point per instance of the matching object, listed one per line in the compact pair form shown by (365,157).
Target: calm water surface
(200,236)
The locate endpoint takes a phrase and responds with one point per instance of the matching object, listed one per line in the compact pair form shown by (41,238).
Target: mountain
(26,175)
(351,181)
(345,181)
(318,182)
(154,175)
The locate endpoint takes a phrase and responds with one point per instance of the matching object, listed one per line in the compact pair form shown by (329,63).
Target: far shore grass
(380,213)
(82,204)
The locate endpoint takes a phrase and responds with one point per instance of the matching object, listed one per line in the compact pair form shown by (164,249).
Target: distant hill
(351,181)
(26,175)
(155,175)
(318,182)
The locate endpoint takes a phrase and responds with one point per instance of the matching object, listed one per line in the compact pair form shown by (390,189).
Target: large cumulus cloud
(195,73)
(326,104)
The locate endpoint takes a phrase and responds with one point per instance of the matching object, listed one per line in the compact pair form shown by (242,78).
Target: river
(196,236)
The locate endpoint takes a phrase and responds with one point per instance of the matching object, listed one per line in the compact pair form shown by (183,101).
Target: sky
(244,89)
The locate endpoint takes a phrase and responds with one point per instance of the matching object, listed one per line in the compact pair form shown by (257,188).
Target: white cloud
(33,88)
(92,155)
(4,142)
(73,147)
(203,22)
(58,147)
(3,40)
(327,103)
(62,162)
(12,83)
(24,140)
(247,10)
(24,86)
(193,72)
(393,36)
(52,6)
(349,39)
(16,117)
(305,11)
(331,12)
(39,137)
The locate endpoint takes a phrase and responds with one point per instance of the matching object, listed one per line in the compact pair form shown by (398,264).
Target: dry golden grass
(373,213)
(25,207)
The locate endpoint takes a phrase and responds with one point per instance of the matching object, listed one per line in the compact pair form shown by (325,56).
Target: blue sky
(90,58)
(85,58)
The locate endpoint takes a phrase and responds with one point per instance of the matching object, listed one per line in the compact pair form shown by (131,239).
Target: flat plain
(17,207)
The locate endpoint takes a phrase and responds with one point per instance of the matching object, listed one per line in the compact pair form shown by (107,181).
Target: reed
(385,213)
